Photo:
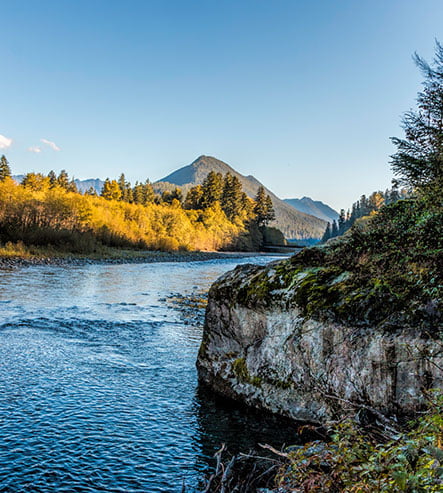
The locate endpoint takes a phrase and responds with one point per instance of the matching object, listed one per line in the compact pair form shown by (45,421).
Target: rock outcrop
(261,348)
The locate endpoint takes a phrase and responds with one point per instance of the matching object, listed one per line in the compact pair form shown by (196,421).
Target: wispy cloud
(52,145)
(5,142)
(35,149)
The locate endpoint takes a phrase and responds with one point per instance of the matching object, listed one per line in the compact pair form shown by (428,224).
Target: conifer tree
(124,187)
(138,193)
(247,206)
(35,181)
(418,162)
(270,215)
(52,179)
(341,222)
(63,179)
(111,190)
(261,207)
(72,187)
(5,170)
(231,200)
(194,198)
(149,192)
(168,197)
(334,229)
(212,189)
(327,233)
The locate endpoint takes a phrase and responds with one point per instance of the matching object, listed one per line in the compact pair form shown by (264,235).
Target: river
(98,386)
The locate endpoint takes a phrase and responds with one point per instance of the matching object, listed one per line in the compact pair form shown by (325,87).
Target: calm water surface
(98,387)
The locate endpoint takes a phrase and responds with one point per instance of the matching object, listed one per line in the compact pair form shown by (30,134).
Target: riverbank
(118,256)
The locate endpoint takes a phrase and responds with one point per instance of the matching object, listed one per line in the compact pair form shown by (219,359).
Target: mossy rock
(240,370)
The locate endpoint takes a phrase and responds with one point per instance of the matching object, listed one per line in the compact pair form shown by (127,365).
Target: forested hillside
(293,223)
(362,209)
(49,210)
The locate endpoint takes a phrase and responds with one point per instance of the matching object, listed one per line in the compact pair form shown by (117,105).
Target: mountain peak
(293,223)
(197,171)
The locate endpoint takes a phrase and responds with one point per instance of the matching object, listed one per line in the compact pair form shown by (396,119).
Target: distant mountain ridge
(293,223)
(82,185)
(314,207)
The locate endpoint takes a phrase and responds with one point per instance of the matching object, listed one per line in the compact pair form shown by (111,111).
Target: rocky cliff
(271,341)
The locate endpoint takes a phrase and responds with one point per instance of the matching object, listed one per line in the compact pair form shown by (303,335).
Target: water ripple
(98,388)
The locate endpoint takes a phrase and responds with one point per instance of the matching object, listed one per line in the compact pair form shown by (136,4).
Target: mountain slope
(84,185)
(293,223)
(314,207)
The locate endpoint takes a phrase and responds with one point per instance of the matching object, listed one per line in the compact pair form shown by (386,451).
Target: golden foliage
(41,215)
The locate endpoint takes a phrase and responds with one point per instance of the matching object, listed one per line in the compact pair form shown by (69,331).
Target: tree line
(365,206)
(49,209)
(216,190)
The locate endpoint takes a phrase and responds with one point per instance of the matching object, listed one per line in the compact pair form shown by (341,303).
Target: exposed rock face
(258,348)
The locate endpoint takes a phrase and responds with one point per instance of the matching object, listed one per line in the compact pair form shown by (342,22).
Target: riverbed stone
(259,349)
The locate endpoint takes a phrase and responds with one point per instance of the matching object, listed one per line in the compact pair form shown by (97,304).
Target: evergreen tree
(261,207)
(5,170)
(231,200)
(129,195)
(194,198)
(35,181)
(212,189)
(138,193)
(247,205)
(111,190)
(124,187)
(327,234)
(168,197)
(63,179)
(149,192)
(334,229)
(72,187)
(52,179)
(418,161)
(270,212)
(363,206)
(394,196)
(341,222)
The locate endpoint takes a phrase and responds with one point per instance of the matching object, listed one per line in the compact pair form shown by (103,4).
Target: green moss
(385,273)
(241,371)
(316,291)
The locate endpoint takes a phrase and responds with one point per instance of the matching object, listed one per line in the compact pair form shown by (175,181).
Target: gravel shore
(144,257)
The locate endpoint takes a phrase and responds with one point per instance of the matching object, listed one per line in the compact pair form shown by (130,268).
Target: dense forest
(364,207)
(48,210)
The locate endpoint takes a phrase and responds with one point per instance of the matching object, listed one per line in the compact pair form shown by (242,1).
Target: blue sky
(304,95)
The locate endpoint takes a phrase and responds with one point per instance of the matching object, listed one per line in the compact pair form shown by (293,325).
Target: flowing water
(98,386)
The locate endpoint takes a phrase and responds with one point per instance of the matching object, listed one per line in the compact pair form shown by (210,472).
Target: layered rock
(263,348)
